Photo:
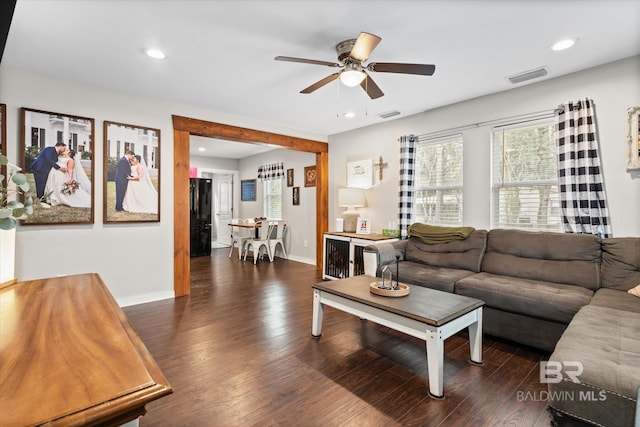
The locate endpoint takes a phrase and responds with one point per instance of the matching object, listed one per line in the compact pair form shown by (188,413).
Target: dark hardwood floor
(238,352)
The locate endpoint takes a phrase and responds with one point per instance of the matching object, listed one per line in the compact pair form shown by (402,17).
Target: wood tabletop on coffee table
(422,304)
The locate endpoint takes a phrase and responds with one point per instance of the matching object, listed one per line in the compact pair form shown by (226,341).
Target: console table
(68,356)
(343,253)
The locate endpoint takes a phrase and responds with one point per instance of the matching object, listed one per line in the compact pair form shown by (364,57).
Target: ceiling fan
(351,54)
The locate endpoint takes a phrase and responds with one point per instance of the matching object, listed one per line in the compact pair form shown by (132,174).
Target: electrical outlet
(305,243)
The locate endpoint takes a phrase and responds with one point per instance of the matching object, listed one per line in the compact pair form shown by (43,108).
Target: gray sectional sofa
(563,293)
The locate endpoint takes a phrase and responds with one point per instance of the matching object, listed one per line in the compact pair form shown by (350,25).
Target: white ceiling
(220,54)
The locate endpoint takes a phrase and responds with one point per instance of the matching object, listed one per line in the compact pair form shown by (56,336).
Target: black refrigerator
(201,200)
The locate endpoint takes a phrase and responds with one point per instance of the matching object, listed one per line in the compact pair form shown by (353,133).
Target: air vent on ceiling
(388,114)
(528,75)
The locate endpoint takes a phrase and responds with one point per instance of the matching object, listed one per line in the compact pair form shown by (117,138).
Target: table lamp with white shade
(350,198)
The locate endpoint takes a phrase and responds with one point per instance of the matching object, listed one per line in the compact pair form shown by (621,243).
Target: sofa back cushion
(621,263)
(572,259)
(464,254)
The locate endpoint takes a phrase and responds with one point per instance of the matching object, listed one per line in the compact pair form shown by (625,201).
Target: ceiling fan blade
(371,88)
(395,67)
(307,61)
(320,83)
(364,45)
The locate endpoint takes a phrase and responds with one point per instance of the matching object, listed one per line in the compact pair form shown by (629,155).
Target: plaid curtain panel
(271,171)
(582,196)
(407,168)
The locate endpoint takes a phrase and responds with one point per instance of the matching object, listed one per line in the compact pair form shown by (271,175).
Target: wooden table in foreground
(425,313)
(68,356)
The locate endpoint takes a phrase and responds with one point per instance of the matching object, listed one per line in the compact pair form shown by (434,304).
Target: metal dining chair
(277,237)
(239,237)
(257,243)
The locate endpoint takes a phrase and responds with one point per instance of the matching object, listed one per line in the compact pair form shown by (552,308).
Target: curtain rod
(521,118)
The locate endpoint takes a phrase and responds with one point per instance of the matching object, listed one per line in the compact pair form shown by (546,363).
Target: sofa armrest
(379,255)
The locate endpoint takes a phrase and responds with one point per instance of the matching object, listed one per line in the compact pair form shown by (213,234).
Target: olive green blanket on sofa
(433,234)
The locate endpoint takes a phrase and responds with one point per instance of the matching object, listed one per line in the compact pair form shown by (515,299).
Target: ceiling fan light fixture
(352,78)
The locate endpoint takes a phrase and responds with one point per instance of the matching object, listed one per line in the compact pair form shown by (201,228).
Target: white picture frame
(363,226)
(360,174)
(633,138)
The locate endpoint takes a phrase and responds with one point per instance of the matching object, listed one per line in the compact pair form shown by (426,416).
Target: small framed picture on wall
(289,177)
(310,176)
(296,196)
(248,190)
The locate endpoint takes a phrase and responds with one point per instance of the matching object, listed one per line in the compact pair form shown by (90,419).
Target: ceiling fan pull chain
(337,101)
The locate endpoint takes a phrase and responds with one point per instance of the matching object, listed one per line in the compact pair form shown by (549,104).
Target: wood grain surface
(68,355)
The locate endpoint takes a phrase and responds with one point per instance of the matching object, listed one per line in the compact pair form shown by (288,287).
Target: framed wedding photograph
(3,128)
(3,138)
(56,155)
(131,173)
(310,176)
(289,177)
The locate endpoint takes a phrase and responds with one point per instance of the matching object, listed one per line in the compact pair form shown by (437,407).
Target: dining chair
(277,238)
(257,243)
(239,236)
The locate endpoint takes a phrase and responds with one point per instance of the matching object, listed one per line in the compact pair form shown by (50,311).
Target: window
(524,183)
(273,198)
(438,182)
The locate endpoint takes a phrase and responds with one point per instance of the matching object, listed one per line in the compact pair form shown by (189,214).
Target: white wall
(613,87)
(301,218)
(202,162)
(134,260)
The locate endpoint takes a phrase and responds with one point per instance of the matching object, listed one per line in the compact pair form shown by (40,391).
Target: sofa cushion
(439,278)
(570,259)
(466,254)
(620,262)
(543,300)
(612,298)
(606,342)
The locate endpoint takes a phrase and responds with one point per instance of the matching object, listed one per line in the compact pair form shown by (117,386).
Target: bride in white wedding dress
(59,184)
(141,196)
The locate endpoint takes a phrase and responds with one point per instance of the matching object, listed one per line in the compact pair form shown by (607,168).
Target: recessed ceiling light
(202,149)
(155,54)
(349,115)
(563,44)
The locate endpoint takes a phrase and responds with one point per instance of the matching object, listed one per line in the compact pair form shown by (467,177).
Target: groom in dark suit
(123,172)
(47,159)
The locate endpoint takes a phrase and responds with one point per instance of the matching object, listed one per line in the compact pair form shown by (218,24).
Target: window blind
(524,177)
(438,196)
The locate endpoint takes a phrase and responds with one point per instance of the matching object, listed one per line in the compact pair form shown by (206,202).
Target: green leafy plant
(11,209)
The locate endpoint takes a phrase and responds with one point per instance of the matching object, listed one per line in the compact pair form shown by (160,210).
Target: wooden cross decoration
(380,165)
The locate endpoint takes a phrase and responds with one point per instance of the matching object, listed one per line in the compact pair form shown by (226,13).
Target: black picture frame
(40,132)
(248,190)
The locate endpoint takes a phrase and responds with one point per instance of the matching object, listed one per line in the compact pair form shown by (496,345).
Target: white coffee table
(425,313)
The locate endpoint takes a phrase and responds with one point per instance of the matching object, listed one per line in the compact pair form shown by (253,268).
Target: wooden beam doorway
(183,128)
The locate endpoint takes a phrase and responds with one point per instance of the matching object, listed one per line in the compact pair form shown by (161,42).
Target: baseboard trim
(145,298)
